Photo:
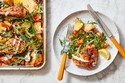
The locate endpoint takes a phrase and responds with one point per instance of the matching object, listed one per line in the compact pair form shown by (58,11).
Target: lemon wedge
(105,53)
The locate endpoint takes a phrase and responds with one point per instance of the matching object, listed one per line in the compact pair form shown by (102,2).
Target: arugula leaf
(40,8)
(10,34)
(103,37)
(28,33)
(72,48)
(90,38)
(80,34)
(7,34)
(96,41)
(20,57)
(3,5)
(6,46)
(18,61)
(32,29)
(91,22)
(21,35)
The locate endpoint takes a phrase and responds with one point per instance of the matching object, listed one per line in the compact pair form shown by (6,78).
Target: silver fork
(64,55)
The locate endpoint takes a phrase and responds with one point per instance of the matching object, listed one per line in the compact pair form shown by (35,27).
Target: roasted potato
(9,2)
(89,27)
(78,24)
(26,25)
(39,60)
(79,42)
(7,24)
(1,28)
(105,45)
(38,28)
(98,34)
(2,40)
(37,17)
(36,59)
(39,36)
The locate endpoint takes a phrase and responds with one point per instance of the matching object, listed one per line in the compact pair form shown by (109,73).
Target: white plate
(61,32)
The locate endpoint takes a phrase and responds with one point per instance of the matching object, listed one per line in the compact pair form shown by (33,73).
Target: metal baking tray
(44,56)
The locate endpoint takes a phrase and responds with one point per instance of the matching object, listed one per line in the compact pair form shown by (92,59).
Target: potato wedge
(89,27)
(9,2)
(78,24)
(38,28)
(39,60)
(16,2)
(26,25)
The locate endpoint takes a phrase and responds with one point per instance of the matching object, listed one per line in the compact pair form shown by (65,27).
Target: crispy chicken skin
(15,46)
(6,61)
(90,56)
(17,11)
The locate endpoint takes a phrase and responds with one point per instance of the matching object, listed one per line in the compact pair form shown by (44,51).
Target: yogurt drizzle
(78,58)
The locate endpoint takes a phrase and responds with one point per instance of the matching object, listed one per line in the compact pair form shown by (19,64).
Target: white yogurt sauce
(4,28)
(9,56)
(18,45)
(94,64)
(27,56)
(5,58)
(35,53)
(78,58)
(14,41)
(6,13)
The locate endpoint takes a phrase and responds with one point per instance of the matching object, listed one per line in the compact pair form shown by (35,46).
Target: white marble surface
(57,10)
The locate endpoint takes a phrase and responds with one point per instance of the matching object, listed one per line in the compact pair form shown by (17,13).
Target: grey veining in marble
(57,10)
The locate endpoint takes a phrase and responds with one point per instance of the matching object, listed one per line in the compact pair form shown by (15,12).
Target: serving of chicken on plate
(85,43)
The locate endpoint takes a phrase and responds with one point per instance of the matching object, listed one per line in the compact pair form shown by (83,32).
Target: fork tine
(69,30)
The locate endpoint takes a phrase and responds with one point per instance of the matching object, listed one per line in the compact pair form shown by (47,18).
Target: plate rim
(68,17)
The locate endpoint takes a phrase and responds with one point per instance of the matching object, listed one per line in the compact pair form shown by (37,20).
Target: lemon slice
(105,53)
